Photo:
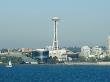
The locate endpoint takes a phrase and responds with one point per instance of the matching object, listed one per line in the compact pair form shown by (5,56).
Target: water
(55,73)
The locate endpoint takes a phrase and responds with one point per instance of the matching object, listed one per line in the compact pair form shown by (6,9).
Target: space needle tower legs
(55,40)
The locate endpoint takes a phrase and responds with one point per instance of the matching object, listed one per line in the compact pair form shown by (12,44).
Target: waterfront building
(60,54)
(73,56)
(108,45)
(85,51)
(103,55)
(41,55)
(96,51)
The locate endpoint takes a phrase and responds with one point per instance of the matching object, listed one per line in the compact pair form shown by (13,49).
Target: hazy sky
(27,23)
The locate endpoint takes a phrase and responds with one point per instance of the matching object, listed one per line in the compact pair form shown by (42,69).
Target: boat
(9,64)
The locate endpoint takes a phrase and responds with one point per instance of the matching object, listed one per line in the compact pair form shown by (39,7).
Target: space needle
(55,40)
(55,51)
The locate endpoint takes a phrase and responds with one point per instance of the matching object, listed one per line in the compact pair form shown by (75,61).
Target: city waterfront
(55,73)
(54,41)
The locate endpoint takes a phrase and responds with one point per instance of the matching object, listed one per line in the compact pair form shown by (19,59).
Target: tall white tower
(55,40)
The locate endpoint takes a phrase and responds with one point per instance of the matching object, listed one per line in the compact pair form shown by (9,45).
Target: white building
(85,51)
(97,51)
(108,44)
(103,55)
(61,54)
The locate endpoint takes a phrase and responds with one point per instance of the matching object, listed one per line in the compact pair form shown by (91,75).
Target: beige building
(108,44)
(26,50)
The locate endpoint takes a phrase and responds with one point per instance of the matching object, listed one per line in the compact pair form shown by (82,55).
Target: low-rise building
(26,50)
(61,54)
(41,55)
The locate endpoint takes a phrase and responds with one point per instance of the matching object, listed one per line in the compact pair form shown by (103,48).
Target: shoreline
(87,63)
(69,63)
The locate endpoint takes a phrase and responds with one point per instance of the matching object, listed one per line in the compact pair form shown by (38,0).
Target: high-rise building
(96,51)
(85,51)
(108,44)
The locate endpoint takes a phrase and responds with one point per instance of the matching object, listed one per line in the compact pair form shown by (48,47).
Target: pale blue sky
(27,23)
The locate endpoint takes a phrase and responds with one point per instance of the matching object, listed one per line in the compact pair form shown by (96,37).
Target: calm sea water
(55,73)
